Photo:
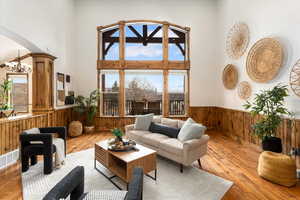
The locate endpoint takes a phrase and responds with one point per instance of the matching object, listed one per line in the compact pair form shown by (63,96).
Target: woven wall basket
(264,60)
(230,76)
(237,40)
(295,78)
(244,90)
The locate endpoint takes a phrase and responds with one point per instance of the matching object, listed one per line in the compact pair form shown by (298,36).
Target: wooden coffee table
(122,163)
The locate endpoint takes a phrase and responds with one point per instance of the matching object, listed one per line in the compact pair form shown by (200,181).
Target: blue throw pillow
(165,130)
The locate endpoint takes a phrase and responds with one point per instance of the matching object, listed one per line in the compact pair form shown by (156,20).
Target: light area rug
(192,184)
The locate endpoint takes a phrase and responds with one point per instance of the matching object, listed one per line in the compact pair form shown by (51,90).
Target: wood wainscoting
(107,123)
(237,124)
(11,128)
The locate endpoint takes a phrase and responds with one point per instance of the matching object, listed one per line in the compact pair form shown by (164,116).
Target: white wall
(46,24)
(49,25)
(265,18)
(200,15)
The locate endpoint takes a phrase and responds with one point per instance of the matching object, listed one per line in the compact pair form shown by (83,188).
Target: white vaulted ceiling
(9,49)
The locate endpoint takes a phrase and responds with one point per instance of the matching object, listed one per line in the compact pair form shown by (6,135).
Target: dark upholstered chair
(73,184)
(30,150)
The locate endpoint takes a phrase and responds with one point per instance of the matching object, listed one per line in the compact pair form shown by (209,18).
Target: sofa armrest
(195,143)
(135,187)
(72,184)
(45,138)
(61,131)
(194,149)
(129,128)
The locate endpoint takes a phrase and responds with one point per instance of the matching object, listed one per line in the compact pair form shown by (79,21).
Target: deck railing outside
(111,107)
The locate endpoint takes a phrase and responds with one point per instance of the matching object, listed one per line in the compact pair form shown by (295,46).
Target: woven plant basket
(277,168)
(75,129)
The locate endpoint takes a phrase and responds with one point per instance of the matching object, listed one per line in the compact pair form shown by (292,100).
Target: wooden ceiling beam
(140,40)
(179,33)
(180,48)
(135,31)
(154,32)
(110,32)
(108,47)
(145,34)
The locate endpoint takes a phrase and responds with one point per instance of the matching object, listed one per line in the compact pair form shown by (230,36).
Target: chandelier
(17,66)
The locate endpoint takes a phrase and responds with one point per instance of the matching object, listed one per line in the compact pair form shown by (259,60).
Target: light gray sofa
(184,153)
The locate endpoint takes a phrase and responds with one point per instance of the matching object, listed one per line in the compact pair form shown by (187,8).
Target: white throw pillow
(191,130)
(169,122)
(142,122)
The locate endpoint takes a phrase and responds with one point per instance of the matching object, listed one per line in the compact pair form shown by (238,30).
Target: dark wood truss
(143,38)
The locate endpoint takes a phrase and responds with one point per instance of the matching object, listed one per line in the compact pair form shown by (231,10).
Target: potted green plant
(270,105)
(118,133)
(5,108)
(88,107)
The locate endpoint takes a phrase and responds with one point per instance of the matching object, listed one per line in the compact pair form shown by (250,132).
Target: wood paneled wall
(237,125)
(108,123)
(232,123)
(205,115)
(10,129)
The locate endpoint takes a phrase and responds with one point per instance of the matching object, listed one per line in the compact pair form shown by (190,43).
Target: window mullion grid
(122,93)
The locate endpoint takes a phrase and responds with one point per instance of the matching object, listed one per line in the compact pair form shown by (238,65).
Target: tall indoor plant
(88,107)
(269,104)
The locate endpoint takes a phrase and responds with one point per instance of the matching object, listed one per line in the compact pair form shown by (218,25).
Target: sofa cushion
(191,130)
(136,134)
(153,139)
(180,123)
(172,145)
(165,130)
(142,122)
(169,122)
(33,131)
(156,119)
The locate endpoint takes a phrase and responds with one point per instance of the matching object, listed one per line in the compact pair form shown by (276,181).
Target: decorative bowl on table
(124,145)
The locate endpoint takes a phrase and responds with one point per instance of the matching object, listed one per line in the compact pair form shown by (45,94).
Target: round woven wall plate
(230,76)
(264,60)
(244,90)
(237,40)
(295,78)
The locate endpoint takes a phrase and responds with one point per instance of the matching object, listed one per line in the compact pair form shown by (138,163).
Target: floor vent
(9,158)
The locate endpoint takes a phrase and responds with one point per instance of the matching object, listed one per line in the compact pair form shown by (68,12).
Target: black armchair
(30,149)
(73,184)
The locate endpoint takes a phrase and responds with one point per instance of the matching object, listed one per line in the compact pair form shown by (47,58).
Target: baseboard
(9,158)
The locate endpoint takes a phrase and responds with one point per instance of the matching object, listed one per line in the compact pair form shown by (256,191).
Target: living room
(195,99)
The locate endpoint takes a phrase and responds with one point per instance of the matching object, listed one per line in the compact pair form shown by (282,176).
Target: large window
(143,92)
(143,68)
(18,97)
(110,87)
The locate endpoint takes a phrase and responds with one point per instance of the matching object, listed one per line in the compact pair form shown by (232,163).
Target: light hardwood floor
(226,158)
